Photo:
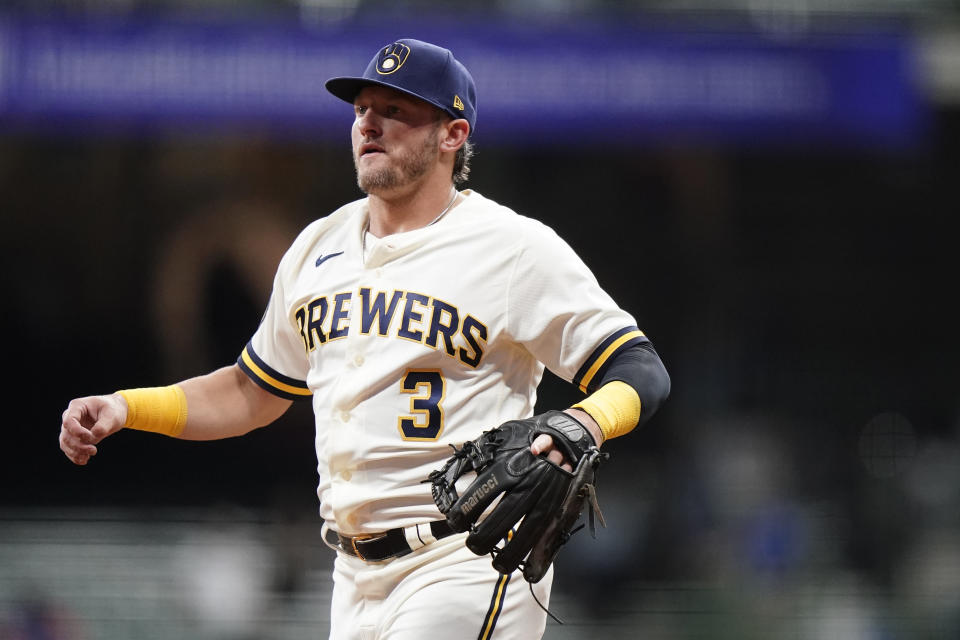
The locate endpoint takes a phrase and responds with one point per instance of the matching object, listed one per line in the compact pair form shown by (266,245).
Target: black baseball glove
(546,498)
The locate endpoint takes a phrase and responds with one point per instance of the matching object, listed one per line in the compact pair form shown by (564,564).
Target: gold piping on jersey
(620,339)
(271,380)
(496,604)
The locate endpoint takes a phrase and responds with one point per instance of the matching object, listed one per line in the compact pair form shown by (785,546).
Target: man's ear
(455,133)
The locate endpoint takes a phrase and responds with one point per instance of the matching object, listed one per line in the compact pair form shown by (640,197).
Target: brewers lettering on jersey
(413,319)
(460,338)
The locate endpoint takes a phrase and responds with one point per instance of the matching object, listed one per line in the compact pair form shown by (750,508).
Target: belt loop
(412,534)
(426,533)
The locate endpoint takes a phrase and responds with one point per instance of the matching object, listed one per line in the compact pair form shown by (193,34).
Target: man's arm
(221,404)
(639,384)
(228,403)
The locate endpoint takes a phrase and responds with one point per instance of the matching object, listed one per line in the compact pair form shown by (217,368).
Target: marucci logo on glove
(481,491)
(543,497)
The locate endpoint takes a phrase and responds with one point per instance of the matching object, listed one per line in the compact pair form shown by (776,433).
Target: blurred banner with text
(572,84)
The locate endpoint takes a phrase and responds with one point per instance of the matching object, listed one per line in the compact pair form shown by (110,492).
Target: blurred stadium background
(767,184)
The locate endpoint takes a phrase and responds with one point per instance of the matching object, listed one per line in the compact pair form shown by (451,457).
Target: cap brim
(347,89)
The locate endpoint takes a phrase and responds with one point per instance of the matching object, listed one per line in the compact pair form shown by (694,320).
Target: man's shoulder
(327,228)
(504,218)
(517,232)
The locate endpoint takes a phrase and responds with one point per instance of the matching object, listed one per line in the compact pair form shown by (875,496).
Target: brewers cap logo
(392,58)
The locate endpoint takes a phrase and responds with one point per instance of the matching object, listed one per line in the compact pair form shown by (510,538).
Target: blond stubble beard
(408,168)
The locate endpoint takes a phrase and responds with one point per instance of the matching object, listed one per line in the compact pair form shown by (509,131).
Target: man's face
(395,140)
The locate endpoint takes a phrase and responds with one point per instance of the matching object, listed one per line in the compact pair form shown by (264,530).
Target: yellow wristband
(158,409)
(615,407)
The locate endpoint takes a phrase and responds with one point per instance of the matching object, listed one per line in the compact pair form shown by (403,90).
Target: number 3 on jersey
(427,388)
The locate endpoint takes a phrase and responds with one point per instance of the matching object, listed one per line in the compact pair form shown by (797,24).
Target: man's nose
(368,123)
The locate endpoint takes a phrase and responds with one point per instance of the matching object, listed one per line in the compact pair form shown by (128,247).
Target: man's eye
(393,110)
(360,110)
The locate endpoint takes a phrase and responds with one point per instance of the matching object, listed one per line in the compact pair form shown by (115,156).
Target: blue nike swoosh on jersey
(324,258)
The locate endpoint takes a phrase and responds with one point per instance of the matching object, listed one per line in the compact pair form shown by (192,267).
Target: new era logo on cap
(419,69)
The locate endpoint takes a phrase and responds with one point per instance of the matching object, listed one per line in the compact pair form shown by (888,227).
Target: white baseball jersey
(439,334)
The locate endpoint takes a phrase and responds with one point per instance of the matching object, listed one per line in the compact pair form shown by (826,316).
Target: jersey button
(345,416)
(358,361)
(346,475)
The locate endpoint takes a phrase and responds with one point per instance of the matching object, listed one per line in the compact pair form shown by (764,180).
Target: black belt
(395,542)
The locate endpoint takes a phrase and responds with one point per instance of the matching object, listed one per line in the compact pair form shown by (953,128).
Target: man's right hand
(89,420)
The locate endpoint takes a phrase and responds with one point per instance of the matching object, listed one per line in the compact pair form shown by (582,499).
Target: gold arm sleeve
(615,406)
(157,409)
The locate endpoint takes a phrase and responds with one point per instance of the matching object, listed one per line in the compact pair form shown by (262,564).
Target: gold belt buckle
(360,538)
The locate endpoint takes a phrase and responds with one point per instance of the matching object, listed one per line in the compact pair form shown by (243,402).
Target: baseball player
(414,318)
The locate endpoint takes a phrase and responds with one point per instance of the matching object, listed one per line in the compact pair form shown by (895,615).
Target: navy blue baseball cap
(419,69)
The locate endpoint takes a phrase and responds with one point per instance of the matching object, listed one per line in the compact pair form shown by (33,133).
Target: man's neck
(396,213)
